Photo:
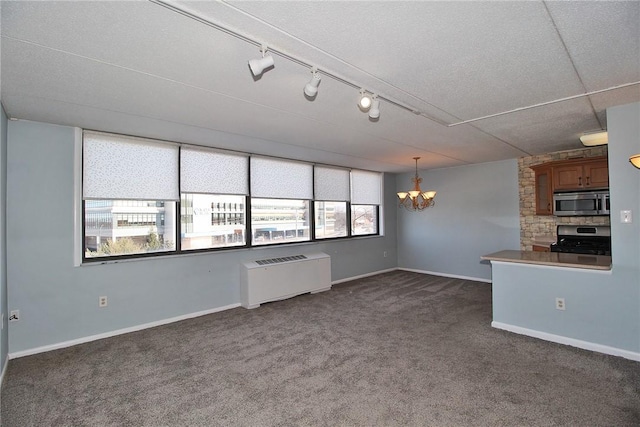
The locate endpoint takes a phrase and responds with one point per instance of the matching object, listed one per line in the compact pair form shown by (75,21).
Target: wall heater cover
(279,278)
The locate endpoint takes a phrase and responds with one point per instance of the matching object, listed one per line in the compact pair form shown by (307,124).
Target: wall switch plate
(102,301)
(626,217)
(560,304)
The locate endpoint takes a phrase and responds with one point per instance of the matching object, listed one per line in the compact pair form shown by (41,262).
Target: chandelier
(416,199)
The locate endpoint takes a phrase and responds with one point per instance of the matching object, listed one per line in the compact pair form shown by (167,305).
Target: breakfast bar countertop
(554,259)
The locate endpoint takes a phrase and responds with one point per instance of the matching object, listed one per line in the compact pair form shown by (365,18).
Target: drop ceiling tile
(540,130)
(603,39)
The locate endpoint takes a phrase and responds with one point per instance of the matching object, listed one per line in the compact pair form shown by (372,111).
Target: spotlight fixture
(258,66)
(311,88)
(365,100)
(594,138)
(374,112)
(635,160)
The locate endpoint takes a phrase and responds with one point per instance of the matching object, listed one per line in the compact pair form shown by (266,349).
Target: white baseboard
(453,276)
(109,334)
(348,279)
(585,345)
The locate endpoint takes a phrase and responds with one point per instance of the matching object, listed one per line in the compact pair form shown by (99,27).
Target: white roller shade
(366,187)
(331,184)
(212,172)
(281,179)
(121,167)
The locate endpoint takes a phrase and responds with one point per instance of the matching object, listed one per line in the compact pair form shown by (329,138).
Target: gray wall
(59,302)
(601,309)
(476,213)
(4,334)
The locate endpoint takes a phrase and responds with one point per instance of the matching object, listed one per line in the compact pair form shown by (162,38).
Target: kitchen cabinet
(597,173)
(581,175)
(566,175)
(544,189)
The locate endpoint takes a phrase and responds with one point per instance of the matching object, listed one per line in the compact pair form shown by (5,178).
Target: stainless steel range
(583,239)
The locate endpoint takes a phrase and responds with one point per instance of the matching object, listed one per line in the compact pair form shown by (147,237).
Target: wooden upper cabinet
(544,190)
(597,173)
(566,175)
(581,174)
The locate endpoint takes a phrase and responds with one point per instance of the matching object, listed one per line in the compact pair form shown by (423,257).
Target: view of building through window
(279,221)
(117,227)
(331,219)
(121,227)
(212,221)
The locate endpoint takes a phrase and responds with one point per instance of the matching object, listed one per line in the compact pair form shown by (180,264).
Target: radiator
(279,278)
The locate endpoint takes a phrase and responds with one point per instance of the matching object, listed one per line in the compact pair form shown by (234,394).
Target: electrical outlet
(560,305)
(384,254)
(626,217)
(102,301)
(14,316)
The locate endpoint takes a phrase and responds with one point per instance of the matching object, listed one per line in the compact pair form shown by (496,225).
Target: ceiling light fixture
(416,199)
(365,101)
(258,66)
(595,138)
(374,112)
(311,88)
(635,160)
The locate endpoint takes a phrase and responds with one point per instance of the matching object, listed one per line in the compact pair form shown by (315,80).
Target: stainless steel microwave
(581,203)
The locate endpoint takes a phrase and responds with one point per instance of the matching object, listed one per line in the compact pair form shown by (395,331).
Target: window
(125,227)
(366,190)
(280,190)
(279,221)
(331,192)
(129,205)
(331,219)
(364,220)
(142,197)
(212,221)
(213,189)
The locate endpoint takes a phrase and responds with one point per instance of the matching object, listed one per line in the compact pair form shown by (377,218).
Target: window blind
(211,172)
(366,187)
(331,184)
(278,178)
(122,167)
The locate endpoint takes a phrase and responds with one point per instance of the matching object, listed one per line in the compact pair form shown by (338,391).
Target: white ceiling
(146,69)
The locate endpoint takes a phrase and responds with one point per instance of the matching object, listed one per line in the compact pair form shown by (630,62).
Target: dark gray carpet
(393,349)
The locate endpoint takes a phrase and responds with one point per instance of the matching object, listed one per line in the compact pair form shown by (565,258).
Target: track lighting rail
(282,54)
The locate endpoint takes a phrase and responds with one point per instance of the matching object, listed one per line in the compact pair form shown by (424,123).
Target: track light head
(365,100)
(258,66)
(311,88)
(374,112)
